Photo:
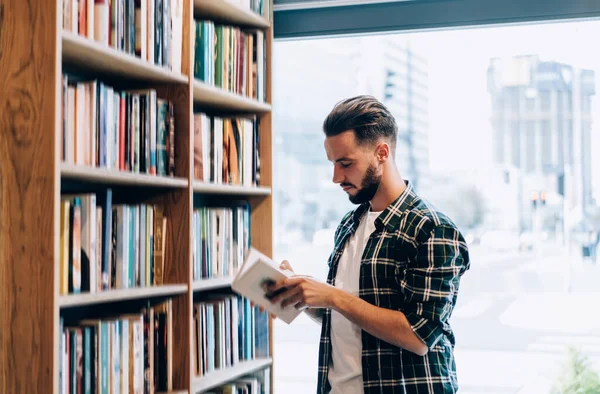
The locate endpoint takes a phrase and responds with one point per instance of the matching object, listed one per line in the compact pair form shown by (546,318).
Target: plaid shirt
(412,263)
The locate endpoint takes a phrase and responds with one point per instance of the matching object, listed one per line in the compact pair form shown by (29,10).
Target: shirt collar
(390,217)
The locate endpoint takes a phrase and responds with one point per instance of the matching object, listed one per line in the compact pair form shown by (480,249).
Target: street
(513,322)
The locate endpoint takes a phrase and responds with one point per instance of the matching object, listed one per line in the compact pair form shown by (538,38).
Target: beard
(369,186)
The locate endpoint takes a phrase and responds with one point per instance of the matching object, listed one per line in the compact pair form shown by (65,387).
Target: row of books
(127,353)
(221,239)
(105,246)
(226,150)
(227,331)
(125,130)
(230,58)
(149,29)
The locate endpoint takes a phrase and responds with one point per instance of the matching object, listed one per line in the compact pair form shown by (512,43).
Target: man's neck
(391,187)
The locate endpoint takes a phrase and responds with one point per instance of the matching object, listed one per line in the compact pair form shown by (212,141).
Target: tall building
(385,67)
(392,71)
(541,119)
(303,184)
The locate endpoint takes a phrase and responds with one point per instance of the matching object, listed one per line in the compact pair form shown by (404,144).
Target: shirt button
(379,373)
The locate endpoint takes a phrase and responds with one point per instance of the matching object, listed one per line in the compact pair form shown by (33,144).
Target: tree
(578,377)
(464,204)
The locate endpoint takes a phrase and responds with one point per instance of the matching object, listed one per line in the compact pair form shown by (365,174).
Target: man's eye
(345,165)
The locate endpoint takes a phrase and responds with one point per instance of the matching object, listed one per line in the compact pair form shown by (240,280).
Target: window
(486,111)
(545,100)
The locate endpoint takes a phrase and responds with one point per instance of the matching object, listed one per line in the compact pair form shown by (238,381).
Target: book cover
(257,271)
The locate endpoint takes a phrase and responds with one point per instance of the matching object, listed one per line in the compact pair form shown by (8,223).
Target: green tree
(464,203)
(577,377)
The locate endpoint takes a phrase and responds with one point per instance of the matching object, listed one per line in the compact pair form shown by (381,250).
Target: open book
(257,271)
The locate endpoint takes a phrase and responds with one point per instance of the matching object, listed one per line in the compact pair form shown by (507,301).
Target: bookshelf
(73,300)
(221,377)
(116,177)
(214,98)
(45,184)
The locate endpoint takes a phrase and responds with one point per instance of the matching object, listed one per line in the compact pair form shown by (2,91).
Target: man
(394,271)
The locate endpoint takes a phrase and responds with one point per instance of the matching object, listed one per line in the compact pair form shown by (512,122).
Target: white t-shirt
(345,375)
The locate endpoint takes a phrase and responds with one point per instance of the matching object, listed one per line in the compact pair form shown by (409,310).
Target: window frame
(305,19)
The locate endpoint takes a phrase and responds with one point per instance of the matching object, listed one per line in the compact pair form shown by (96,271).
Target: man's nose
(337,175)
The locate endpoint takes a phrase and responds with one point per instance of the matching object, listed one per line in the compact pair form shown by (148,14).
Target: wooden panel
(29,194)
(116,177)
(267,163)
(262,210)
(187,53)
(178,243)
(212,284)
(229,190)
(217,99)
(179,95)
(184,378)
(120,295)
(221,376)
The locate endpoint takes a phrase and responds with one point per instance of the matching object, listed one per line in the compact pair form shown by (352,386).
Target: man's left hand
(304,291)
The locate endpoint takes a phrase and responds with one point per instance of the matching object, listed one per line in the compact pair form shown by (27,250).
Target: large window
(480,111)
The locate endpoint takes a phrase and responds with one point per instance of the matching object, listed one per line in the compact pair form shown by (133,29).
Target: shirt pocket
(379,273)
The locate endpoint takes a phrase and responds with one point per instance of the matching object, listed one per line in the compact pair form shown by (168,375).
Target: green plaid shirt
(412,263)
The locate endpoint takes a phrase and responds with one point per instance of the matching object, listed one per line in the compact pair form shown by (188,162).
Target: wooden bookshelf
(218,101)
(36,51)
(116,177)
(234,190)
(214,98)
(222,376)
(212,284)
(72,300)
(174,392)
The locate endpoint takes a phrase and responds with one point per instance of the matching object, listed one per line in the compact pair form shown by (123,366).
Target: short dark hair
(366,116)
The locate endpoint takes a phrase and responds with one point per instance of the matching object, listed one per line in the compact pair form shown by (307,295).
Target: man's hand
(304,291)
(285,265)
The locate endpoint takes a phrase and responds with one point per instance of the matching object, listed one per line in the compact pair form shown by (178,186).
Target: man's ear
(382,152)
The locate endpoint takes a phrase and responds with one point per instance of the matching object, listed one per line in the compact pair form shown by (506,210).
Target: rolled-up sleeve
(430,282)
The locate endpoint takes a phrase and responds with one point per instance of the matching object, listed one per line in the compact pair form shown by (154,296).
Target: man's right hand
(285,265)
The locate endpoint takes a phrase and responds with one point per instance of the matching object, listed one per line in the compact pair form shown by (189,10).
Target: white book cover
(254,274)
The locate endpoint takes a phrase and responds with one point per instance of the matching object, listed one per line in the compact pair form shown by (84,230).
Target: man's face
(355,167)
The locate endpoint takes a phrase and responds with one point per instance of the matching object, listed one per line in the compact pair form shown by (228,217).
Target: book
(256,272)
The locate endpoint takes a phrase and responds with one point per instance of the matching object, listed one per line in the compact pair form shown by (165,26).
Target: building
(385,67)
(392,71)
(541,120)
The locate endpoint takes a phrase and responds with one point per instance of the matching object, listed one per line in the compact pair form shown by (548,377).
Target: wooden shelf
(173,392)
(222,376)
(217,98)
(102,297)
(212,284)
(210,188)
(31,84)
(229,12)
(116,177)
(93,56)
